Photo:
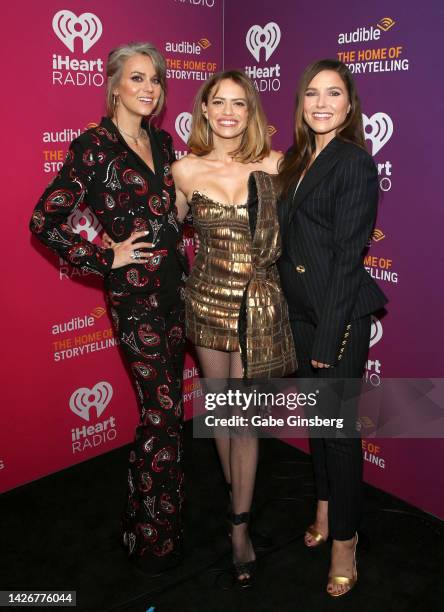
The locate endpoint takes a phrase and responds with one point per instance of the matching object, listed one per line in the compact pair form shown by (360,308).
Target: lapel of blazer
(322,165)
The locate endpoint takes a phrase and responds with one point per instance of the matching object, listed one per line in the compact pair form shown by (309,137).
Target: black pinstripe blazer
(325,226)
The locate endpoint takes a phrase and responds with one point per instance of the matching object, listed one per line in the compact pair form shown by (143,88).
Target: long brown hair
(255,143)
(298,158)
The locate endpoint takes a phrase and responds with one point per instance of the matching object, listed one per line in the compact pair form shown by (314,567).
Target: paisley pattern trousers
(153,345)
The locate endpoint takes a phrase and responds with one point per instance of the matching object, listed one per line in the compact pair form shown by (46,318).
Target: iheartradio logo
(83,399)
(85,221)
(378,129)
(375,331)
(267,38)
(183,126)
(67,27)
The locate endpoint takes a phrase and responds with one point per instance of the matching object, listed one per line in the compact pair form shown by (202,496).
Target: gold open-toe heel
(344,580)
(318,537)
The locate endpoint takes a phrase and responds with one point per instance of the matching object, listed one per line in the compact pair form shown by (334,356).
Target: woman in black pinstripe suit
(329,196)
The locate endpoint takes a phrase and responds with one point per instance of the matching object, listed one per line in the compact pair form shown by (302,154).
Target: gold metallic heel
(343,580)
(318,537)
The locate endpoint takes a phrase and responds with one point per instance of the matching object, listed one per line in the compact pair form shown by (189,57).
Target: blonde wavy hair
(255,143)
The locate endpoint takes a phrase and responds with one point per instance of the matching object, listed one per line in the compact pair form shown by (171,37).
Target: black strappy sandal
(243,568)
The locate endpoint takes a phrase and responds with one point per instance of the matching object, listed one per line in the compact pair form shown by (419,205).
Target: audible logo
(98,312)
(374,59)
(377,235)
(78,322)
(65,135)
(386,23)
(271,130)
(188,47)
(204,43)
(364,34)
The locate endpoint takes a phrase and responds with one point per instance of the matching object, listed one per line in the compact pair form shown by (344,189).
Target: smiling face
(326,103)
(227,110)
(139,88)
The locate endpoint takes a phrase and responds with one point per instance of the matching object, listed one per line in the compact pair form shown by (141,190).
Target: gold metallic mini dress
(220,273)
(233,298)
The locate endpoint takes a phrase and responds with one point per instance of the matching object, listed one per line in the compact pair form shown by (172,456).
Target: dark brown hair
(255,143)
(297,160)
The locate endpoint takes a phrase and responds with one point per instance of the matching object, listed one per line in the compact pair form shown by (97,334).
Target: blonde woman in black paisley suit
(122,169)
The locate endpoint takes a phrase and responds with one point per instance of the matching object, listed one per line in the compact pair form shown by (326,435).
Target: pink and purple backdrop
(396,66)
(68,396)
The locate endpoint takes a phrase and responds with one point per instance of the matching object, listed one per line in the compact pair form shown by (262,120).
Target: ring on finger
(135,254)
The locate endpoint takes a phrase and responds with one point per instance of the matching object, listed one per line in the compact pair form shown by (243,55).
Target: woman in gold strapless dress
(228,142)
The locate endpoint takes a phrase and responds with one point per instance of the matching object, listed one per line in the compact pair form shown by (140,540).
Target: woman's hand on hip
(129,251)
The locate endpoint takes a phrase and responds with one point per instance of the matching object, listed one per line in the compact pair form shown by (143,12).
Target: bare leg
(243,463)
(238,454)
(216,364)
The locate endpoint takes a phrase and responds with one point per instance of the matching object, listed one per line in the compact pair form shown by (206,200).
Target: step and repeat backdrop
(396,65)
(68,395)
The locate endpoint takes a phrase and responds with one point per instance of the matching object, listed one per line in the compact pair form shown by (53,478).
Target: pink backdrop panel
(68,396)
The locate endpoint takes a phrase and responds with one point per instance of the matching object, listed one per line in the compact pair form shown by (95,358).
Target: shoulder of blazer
(335,155)
(101,136)
(351,151)
(355,161)
(164,142)
(160,136)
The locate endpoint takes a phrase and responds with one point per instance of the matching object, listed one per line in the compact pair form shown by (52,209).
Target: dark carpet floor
(62,533)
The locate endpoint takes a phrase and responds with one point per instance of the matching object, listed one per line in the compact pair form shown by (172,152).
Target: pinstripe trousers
(337,462)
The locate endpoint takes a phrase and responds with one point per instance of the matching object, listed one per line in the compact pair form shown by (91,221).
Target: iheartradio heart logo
(375,331)
(380,132)
(267,37)
(183,126)
(82,400)
(85,221)
(67,26)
